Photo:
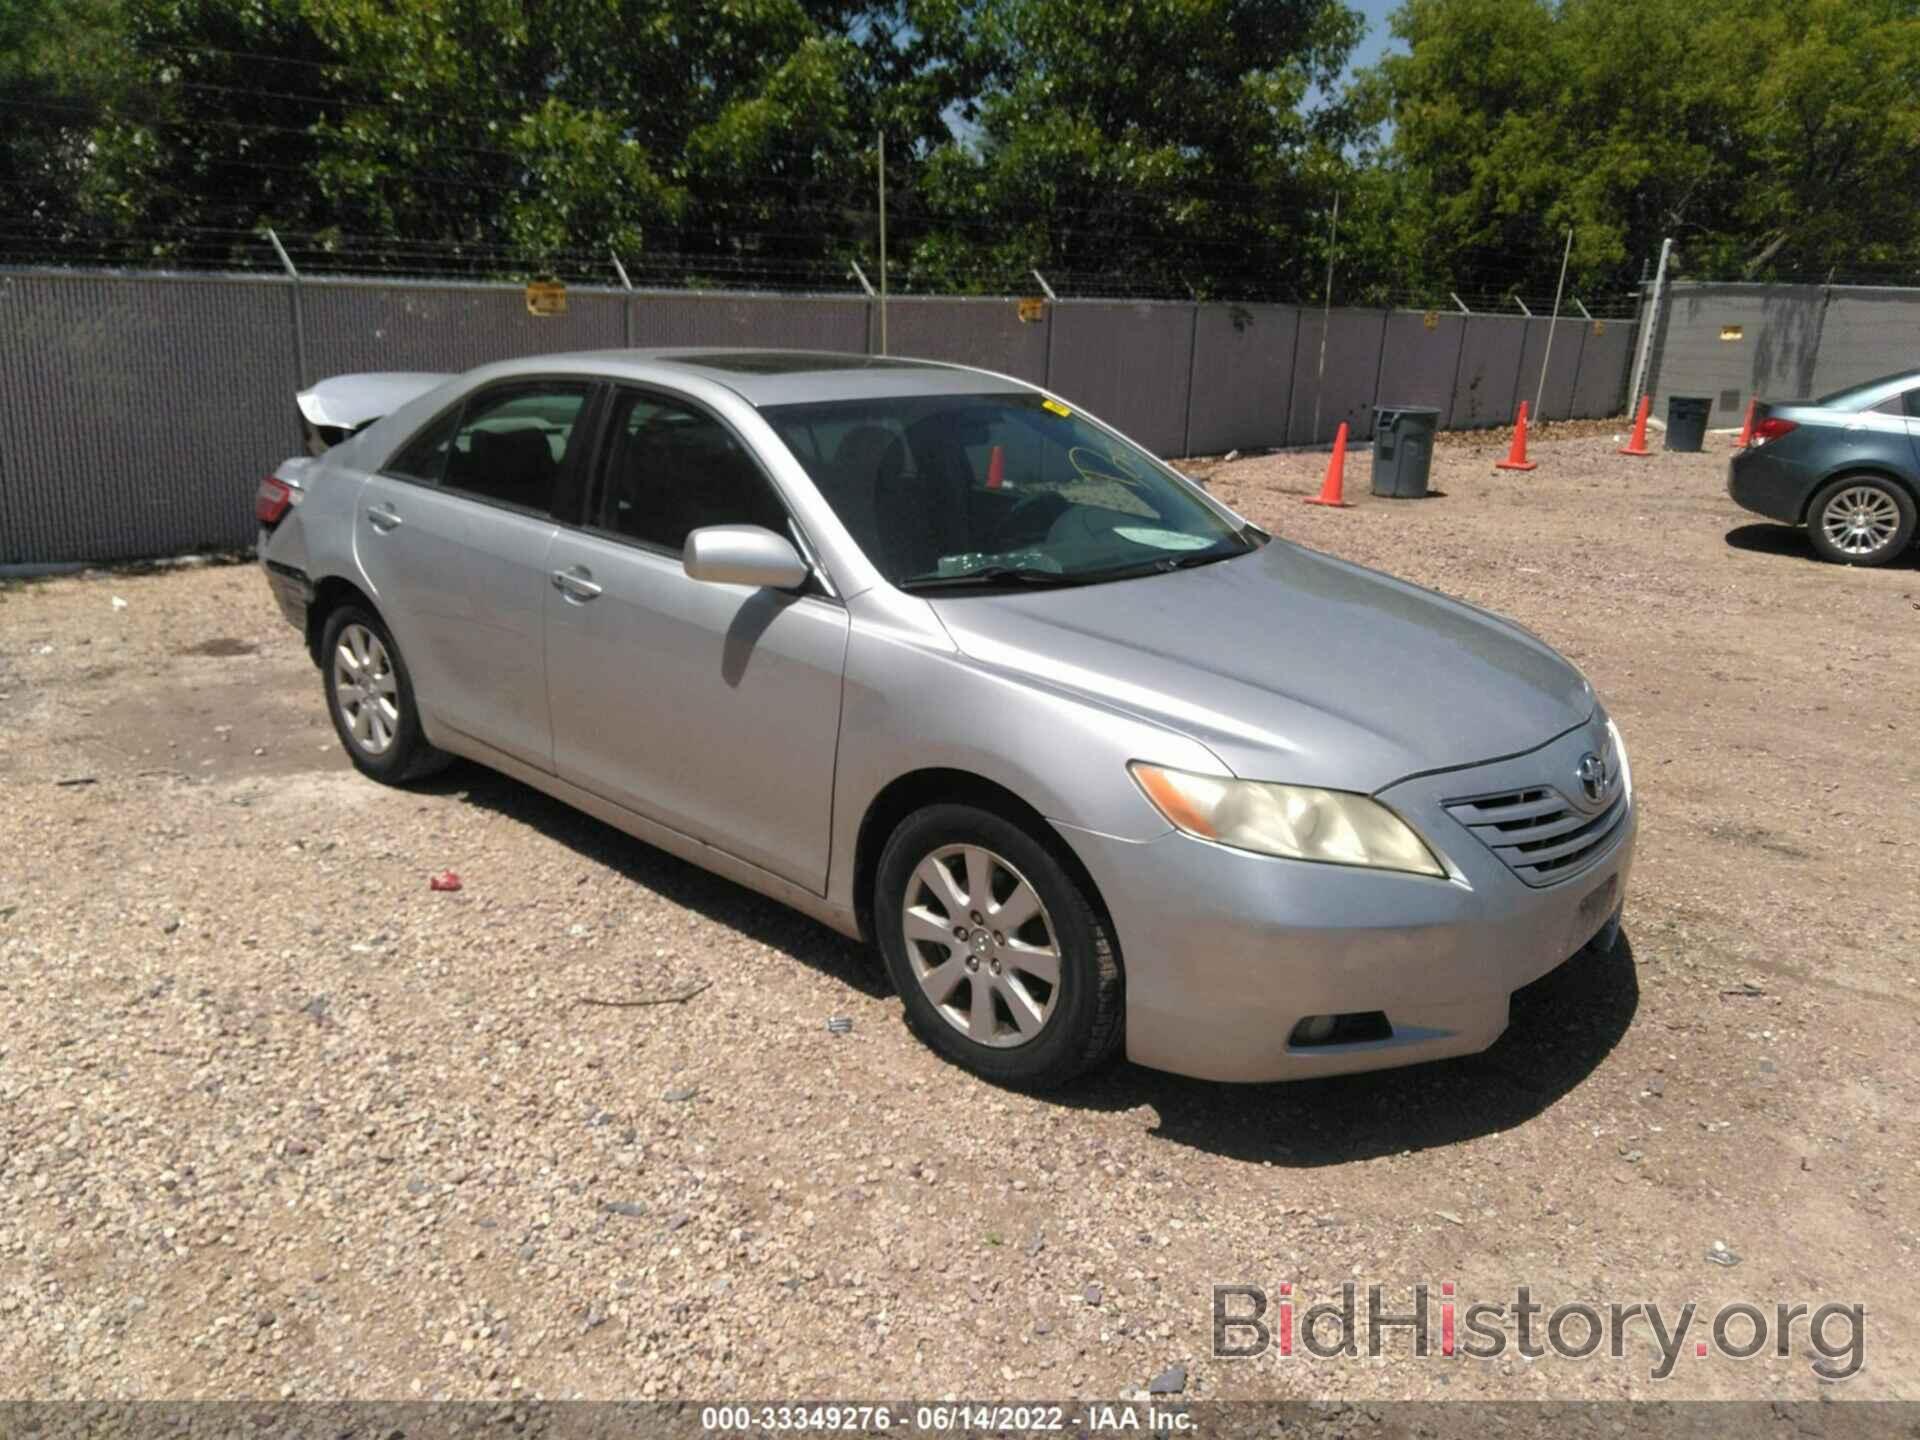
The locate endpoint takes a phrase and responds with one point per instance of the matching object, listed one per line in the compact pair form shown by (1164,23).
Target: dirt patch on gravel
(279,1119)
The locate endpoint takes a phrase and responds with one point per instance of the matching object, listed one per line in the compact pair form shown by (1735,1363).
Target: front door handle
(576,584)
(382,517)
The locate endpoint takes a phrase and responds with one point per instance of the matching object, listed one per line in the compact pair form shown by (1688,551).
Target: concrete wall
(1128,364)
(1867,334)
(1418,361)
(1243,368)
(1487,379)
(1345,392)
(1606,355)
(1780,342)
(987,334)
(136,418)
(137,413)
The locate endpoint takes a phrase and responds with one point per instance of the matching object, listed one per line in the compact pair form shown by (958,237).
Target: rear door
(454,534)
(712,709)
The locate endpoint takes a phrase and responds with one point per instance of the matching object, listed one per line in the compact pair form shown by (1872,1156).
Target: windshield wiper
(991,575)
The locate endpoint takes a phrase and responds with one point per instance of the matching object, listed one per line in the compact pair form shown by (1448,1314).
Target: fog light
(1357,1027)
(1314,1030)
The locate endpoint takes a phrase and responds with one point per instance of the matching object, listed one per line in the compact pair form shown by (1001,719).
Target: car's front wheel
(1861,520)
(370,697)
(1002,960)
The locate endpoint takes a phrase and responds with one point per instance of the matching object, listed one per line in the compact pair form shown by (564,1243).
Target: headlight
(1294,821)
(1620,758)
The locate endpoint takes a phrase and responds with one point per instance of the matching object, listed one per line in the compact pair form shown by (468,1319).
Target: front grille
(1541,834)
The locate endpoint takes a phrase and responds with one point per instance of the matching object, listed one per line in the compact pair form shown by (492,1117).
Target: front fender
(913,702)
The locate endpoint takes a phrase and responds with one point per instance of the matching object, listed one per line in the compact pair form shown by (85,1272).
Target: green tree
(1766,136)
(1163,143)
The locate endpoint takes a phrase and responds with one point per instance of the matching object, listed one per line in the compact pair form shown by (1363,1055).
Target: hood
(1289,665)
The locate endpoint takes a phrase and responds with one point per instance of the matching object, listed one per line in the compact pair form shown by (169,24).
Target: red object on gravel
(446,880)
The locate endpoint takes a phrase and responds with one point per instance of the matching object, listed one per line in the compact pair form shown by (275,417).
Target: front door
(711,709)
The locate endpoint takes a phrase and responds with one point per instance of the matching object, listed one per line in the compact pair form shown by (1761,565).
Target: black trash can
(1687,421)
(1403,449)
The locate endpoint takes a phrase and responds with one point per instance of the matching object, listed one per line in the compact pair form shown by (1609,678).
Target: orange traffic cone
(1637,445)
(1517,453)
(1333,488)
(1746,426)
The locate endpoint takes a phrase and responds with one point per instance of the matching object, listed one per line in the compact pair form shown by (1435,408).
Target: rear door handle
(576,584)
(383,518)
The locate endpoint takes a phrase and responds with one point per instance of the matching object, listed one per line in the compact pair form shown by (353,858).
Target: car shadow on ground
(1791,542)
(1562,1026)
(764,921)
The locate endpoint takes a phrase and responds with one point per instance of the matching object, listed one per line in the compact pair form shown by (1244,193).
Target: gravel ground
(280,1120)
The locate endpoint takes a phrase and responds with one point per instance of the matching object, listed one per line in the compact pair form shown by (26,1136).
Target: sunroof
(787,362)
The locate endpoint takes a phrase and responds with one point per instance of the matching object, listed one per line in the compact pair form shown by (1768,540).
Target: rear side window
(671,469)
(511,442)
(425,456)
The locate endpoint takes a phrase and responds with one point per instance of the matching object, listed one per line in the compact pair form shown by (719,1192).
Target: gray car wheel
(370,697)
(1002,960)
(1861,520)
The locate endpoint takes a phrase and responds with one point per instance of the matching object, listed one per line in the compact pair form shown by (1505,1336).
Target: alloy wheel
(366,689)
(982,945)
(1860,520)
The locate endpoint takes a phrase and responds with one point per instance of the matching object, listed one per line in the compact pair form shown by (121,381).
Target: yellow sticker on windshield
(1057,408)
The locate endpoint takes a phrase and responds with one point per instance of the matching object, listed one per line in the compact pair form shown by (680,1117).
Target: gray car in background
(934,657)
(1847,466)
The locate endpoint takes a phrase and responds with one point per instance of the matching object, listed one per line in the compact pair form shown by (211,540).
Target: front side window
(671,469)
(511,442)
(950,490)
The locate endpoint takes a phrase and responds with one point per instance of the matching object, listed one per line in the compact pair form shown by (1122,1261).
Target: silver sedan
(950,665)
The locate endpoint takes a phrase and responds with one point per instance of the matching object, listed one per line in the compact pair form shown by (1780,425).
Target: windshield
(953,491)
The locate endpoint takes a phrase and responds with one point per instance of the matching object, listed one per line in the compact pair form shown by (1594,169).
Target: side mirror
(743,555)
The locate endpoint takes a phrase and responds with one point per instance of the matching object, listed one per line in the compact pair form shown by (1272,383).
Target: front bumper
(1226,952)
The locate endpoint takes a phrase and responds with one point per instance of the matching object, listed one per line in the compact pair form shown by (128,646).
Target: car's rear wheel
(1861,520)
(370,697)
(1002,960)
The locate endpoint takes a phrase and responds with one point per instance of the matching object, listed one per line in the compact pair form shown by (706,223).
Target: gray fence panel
(1731,342)
(1563,367)
(1867,334)
(1243,367)
(988,334)
(137,416)
(431,327)
(775,322)
(1418,364)
(1128,364)
(1606,363)
(1488,383)
(1353,368)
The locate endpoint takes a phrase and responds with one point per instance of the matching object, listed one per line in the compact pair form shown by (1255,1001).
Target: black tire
(1890,549)
(1082,1027)
(407,756)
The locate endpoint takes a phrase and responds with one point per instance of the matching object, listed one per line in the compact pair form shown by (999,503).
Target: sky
(1378,38)
(1374,43)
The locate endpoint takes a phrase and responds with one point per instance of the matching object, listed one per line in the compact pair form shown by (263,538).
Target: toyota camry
(937,658)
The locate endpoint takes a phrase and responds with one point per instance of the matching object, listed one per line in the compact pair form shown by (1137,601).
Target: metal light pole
(1326,315)
(883,242)
(1648,324)
(1559,289)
